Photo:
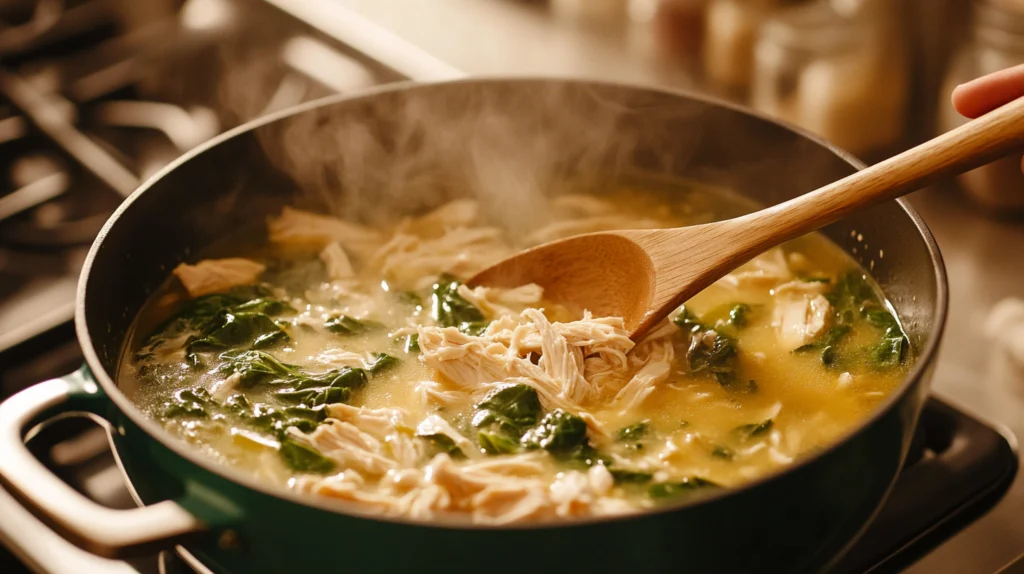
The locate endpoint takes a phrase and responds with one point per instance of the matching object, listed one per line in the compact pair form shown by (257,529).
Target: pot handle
(98,529)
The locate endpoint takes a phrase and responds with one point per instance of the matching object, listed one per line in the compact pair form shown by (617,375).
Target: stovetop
(97,95)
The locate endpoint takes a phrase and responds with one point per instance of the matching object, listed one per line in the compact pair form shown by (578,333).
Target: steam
(510,145)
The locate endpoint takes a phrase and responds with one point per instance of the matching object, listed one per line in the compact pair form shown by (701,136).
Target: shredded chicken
(766,270)
(502,353)
(656,359)
(410,261)
(454,214)
(350,447)
(501,302)
(298,228)
(336,262)
(218,275)
(799,315)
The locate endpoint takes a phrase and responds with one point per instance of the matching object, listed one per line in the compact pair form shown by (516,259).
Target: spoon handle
(971,145)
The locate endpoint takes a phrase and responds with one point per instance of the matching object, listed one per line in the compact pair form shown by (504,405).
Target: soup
(351,363)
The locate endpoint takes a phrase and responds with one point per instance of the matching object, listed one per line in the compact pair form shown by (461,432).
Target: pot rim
(194,456)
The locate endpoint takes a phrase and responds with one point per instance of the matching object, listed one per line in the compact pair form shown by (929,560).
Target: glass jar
(730,29)
(837,69)
(996,42)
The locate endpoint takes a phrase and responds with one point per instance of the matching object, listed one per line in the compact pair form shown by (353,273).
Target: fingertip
(959,99)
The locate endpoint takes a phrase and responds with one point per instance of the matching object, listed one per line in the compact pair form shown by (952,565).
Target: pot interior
(402,150)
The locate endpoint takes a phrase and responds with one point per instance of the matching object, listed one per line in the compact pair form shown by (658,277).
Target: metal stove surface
(96,95)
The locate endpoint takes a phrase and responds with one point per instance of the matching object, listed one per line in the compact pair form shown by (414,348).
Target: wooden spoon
(643,275)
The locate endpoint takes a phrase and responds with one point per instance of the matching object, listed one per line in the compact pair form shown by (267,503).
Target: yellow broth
(782,405)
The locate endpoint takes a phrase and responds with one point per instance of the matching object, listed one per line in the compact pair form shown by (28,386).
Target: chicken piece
(435,425)
(302,229)
(475,364)
(434,393)
(603,376)
(766,270)
(405,449)
(425,502)
(605,336)
(336,262)
(793,288)
(349,446)
(465,360)
(218,275)
(412,262)
(457,213)
(572,494)
(495,302)
(488,492)
(346,485)
(799,317)
(502,354)
(561,361)
(654,359)
(221,390)
(340,358)
(378,423)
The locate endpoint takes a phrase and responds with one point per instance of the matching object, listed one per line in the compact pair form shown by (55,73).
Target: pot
(372,151)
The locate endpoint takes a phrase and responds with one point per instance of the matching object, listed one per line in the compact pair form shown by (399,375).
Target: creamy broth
(483,422)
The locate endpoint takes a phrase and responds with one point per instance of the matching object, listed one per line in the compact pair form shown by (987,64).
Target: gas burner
(36,207)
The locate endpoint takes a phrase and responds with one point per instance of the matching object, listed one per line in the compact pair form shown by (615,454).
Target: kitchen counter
(985,258)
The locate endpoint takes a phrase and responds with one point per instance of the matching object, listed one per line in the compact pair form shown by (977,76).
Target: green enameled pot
(401,149)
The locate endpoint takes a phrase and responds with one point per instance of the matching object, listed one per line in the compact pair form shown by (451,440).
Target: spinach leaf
(852,299)
(304,458)
(739,315)
(558,431)
(345,325)
(511,408)
(188,403)
(315,396)
(214,318)
(633,434)
(827,344)
(381,363)
(746,432)
(688,485)
(255,367)
(238,329)
(583,456)
(717,357)
(635,431)
(265,305)
(623,476)
(687,321)
(496,443)
(450,309)
(444,443)
(260,368)
(722,452)
(274,421)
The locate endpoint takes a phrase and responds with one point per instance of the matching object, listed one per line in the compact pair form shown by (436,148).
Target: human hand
(987,93)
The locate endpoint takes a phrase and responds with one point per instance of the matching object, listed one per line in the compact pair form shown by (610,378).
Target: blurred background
(98,95)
